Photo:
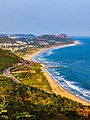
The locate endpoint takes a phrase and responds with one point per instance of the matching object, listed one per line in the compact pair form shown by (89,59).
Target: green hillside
(22,102)
(8,59)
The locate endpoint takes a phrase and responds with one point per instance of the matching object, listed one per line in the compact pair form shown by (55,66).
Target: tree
(38,70)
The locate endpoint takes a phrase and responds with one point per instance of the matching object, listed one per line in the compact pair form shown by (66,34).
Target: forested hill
(8,59)
(29,103)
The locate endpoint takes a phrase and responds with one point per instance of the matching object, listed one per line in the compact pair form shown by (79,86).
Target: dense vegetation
(24,102)
(8,59)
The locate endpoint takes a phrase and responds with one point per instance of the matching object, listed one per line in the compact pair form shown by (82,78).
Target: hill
(6,39)
(8,59)
(29,103)
(2,35)
(54,39)
(23,35)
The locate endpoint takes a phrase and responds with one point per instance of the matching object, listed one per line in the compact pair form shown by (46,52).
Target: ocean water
(75,75)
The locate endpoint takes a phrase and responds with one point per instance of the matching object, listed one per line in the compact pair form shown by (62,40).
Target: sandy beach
(56,88)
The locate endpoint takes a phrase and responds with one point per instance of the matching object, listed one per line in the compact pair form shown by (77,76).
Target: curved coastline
(55,85)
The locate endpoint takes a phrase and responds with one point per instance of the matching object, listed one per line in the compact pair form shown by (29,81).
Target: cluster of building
(13,47)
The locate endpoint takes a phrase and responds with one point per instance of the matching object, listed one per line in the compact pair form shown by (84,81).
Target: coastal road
(6,73)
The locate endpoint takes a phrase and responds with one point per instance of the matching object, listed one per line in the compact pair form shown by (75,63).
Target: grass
(32,75)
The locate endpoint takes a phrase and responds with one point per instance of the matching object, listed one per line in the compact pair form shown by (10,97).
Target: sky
(45,17)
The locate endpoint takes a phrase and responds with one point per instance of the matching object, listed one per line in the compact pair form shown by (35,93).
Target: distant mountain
(6,39)
(1,35)
(54,37)
(23,35)
(51,39)
(42,40)
(64,36)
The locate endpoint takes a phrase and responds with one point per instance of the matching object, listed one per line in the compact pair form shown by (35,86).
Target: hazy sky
(45,16)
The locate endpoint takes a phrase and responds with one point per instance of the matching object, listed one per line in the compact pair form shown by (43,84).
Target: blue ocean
(75,75)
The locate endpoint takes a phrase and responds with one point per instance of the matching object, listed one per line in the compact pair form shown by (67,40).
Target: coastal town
(17,43)
(13,47)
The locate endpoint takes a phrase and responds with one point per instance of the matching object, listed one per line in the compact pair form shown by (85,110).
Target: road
(6,73)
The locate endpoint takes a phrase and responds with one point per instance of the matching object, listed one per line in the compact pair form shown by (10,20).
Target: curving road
(6,73)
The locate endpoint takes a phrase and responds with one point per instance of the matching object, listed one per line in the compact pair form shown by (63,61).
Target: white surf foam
(77,88)
(68,84)
(57,73)
(49,53)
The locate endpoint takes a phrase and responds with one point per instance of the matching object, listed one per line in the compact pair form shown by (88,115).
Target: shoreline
(56,87)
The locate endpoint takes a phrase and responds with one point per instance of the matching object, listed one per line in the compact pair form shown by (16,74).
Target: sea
(74,75)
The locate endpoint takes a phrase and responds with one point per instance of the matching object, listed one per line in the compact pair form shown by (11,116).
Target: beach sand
(56,88)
